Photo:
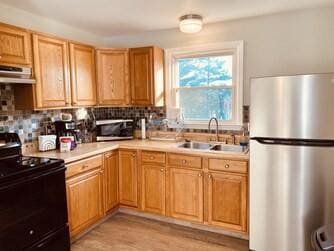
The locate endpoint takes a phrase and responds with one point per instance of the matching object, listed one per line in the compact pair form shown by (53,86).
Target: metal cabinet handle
(210,176)
(84,166)
(162,169)
(200,174)
(184,161)
(152,157)
(227,166)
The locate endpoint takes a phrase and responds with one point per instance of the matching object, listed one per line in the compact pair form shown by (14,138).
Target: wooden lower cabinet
(128,178)
(153,189)
(227,199)
(186,194)
(84,200)
(111,180)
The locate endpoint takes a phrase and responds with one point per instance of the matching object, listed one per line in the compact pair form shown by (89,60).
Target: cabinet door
(113,77)
(15,45)
(84,200)
(52,72)
(111,180)
(141,76)
(186,194)
(227,197)
(82,61)
(128,178)
(153,189)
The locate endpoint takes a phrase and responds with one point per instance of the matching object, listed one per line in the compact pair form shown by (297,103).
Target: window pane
(199,104)
(205,71)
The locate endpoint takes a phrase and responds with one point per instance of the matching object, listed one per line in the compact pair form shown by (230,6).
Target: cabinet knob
(162,169)
(227,166)
(31,231)
(200,174)
(210,176)
(133,155)
(84,166)
(184,161)
(151,157)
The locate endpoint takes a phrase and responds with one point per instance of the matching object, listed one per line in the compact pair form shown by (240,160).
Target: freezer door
(293,107)
(291,195)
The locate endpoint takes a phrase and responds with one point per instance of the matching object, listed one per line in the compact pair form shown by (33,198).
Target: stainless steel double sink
(213,147)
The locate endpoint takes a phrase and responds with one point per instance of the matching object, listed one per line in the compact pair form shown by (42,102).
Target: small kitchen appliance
(114,129)
(68,129)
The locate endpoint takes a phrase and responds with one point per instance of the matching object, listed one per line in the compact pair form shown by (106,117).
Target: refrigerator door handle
(294,142)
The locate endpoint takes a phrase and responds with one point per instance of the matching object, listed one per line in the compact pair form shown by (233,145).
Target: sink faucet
(209,127)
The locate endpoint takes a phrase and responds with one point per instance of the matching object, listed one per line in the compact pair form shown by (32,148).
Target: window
(204,82)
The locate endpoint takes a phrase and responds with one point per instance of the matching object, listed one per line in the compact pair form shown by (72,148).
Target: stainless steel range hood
(18,75)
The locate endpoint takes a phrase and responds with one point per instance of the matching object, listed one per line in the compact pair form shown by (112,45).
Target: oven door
(31,209)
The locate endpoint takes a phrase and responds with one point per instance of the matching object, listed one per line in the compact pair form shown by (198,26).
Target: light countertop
(90,149)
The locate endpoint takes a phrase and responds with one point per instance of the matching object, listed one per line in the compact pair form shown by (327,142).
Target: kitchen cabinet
(113,77)
(128,178)
(153,189)
(83,86)
(153,182)
(110,165)
(15,46)
(51,71)
(84,189)
(227,200)
(186,194)
(147,76)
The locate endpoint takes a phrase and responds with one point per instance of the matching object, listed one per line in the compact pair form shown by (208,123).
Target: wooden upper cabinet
(186,194)
(128,178)
(15,45)
(227,198)
(111,180)
(147,76)
(52,72)
(113,76)
(82,60)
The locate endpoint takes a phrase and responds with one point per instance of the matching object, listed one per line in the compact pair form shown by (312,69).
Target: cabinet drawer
(153,157)
(185,160)
(83,166)
(228,165)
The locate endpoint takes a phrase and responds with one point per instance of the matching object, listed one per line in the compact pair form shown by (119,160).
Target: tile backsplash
(30,124)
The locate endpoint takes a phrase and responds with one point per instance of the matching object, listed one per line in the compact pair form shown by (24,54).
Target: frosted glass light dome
(191,23)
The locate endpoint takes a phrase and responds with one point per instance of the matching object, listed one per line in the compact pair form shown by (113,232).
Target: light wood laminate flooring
(124,232)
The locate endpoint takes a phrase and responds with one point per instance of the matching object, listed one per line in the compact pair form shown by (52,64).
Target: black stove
(13,164)
(33,208)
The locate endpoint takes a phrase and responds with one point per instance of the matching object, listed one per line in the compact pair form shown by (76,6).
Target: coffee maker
(66,128)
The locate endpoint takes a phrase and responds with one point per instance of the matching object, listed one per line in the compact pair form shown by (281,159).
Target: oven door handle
(32,177)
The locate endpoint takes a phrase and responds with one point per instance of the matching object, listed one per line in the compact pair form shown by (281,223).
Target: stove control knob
(31,232)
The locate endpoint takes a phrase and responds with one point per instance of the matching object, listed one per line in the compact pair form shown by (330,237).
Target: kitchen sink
(196,145)
(229,148)
(213,147)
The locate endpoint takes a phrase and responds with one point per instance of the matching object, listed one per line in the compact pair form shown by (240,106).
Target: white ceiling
(120,17)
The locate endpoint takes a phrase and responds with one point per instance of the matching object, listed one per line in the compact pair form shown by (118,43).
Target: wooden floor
(124,232)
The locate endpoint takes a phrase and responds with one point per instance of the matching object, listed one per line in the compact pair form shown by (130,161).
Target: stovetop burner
(26,161)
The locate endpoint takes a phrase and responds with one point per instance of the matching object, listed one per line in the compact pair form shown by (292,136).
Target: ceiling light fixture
(191,23)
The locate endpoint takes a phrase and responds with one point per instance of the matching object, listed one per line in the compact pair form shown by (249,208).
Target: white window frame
(235,48)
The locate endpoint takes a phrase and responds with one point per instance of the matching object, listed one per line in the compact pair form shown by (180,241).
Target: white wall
(288,43)
(34,22)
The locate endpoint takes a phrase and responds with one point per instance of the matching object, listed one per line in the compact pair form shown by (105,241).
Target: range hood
(18,75)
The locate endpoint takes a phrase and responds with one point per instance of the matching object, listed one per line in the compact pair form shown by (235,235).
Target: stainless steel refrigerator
(291,160)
